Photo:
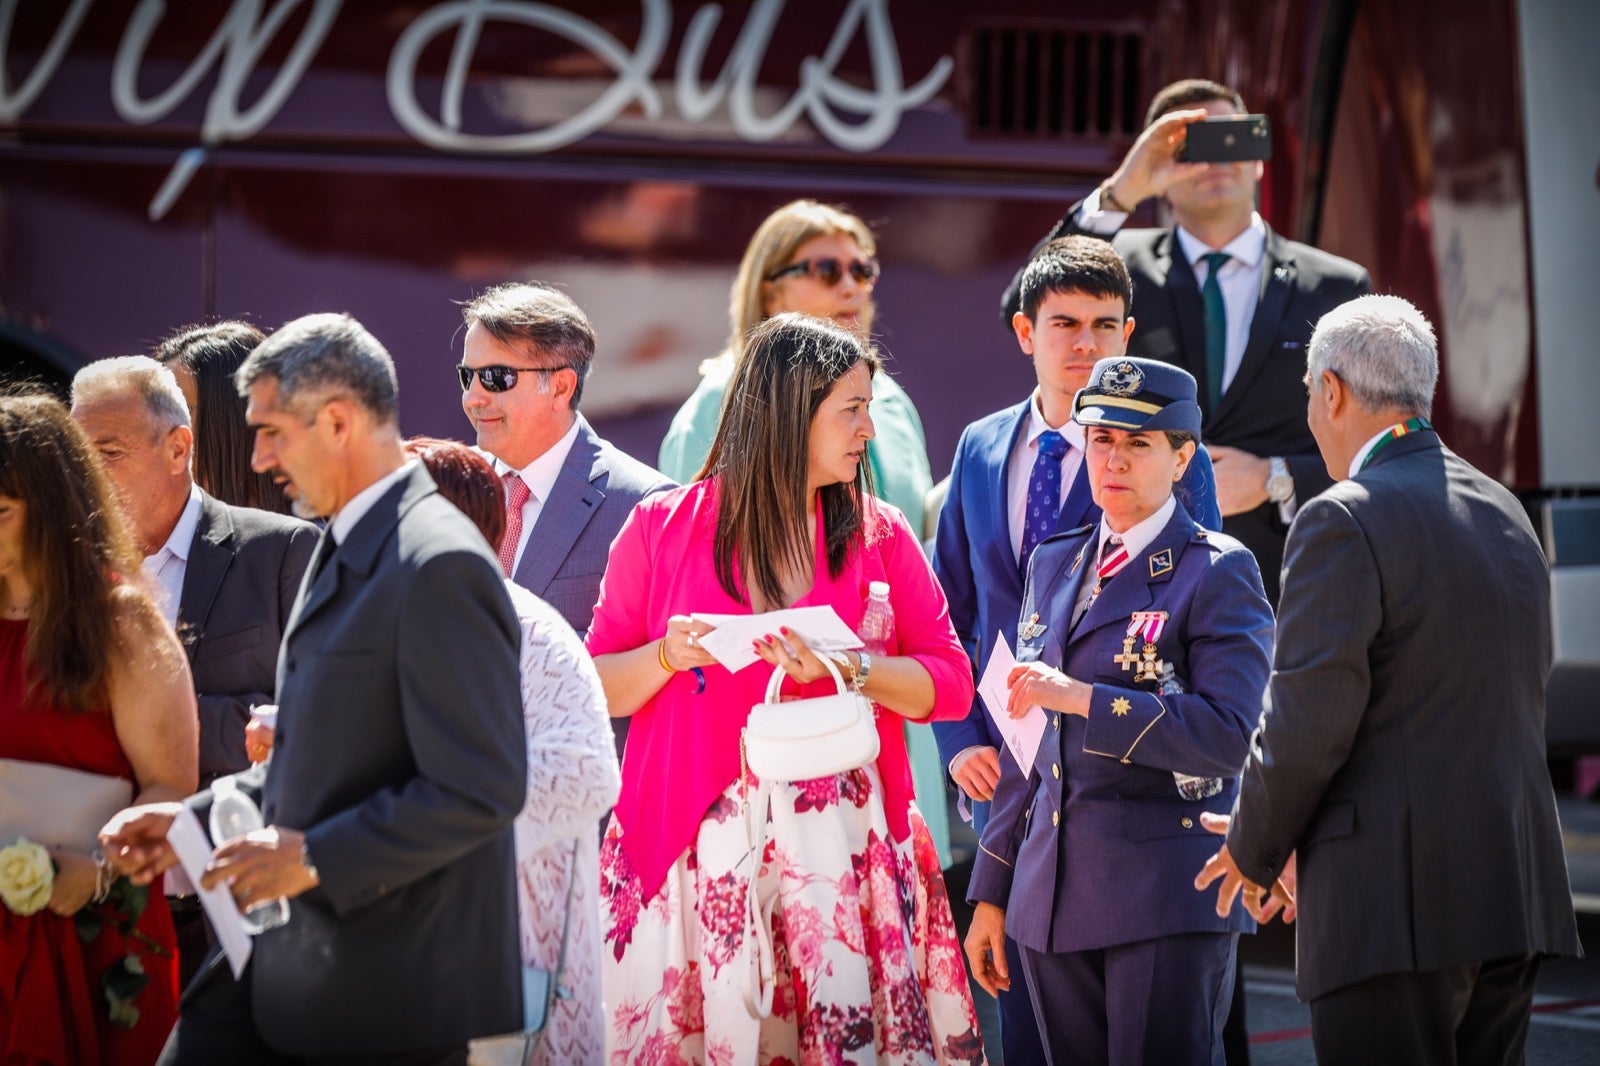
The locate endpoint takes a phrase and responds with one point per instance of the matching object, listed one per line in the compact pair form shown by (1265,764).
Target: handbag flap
(57,806)
(803,719)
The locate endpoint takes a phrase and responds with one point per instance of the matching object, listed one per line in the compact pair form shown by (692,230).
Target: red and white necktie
(517,494)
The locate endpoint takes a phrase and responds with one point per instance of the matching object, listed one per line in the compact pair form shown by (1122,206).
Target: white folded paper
(731,642)
(1022,735)
(193,848)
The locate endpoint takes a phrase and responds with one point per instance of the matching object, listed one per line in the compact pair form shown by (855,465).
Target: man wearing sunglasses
(527,353)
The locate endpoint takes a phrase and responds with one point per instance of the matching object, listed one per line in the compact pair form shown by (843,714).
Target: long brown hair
(761,455)
(78,551)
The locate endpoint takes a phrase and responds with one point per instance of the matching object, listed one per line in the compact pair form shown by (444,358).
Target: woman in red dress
(92,679)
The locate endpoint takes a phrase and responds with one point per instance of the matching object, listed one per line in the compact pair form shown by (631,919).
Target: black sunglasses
(829,271)
(498,378)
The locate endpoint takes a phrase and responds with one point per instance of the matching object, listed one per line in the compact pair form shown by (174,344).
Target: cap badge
(1122,379)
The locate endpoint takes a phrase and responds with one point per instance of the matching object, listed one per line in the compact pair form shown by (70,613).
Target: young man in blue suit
(1019,476)
(1145,639)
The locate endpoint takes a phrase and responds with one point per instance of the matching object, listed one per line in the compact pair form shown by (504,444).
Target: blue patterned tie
(1216,329)
(1044,494)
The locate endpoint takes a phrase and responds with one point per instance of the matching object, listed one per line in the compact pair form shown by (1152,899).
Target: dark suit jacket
(972,550)
(239,586)
(399,752)
(1403,754)
(1264,410)
(570,543)
(1095,846)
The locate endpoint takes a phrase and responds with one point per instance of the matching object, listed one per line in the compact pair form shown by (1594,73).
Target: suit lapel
(1134,588)
(1062,580)
(1176,279)
(998,458)
(573,501)
(358,554)
(1078,509)
(1277,284)
(209,558)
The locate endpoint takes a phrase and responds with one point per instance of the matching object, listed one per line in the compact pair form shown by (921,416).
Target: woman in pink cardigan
(868,965)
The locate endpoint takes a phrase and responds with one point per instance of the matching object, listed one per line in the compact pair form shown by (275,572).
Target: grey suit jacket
(1403,754)
(239,586)
(399,752)
(570,543)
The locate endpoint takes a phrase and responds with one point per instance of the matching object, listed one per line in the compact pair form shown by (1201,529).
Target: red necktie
(517,494)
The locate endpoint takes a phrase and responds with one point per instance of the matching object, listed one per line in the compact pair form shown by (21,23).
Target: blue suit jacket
(972,549)
(1095,846)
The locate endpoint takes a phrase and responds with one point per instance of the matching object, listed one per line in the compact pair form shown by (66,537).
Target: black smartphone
(1228,139)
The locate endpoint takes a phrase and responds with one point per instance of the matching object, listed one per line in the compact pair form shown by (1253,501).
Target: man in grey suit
(527,354)
(1403,759)
(397,762)
(226,576)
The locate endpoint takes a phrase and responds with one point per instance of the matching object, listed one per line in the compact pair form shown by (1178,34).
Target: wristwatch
(1280,485)
(310,867)
(859,682)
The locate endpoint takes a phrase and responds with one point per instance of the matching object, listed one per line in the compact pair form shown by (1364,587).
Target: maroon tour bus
(162,164)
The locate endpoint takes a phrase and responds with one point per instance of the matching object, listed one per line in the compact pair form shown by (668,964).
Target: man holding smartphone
(1225,297)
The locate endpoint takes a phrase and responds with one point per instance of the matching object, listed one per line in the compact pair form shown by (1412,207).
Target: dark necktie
(326,546)
(1044,495)
(1216,329)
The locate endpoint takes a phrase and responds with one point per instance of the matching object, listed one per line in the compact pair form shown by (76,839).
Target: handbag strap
(554,991)
(775,682)
(759,989)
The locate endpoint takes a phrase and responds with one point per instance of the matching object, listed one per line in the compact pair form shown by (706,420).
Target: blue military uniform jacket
(1096,846)
(973,557)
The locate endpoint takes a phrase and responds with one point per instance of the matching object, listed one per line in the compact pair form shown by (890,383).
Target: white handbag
(784,742)
(57,806)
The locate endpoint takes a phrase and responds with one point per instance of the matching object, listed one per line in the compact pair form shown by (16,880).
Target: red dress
(52,1009)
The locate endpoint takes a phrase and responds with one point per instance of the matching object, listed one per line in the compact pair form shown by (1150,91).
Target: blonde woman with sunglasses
(820,260)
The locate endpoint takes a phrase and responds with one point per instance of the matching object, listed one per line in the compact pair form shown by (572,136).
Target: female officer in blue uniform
(1147,641)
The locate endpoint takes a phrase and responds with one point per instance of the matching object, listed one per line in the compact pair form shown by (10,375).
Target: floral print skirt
(869,969)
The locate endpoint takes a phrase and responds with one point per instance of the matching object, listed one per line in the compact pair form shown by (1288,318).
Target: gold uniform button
(1187,823)
(1055,817)
(1056,770)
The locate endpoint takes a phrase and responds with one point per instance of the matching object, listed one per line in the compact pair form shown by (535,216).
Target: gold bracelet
(661,656)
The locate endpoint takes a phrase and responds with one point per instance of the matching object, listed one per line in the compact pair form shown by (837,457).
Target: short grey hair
(136,375)
(1383,349)
(540,316)
(320,357)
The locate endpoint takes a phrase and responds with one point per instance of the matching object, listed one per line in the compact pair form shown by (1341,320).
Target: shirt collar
(359,504)
(181,538)
(1037,425)
(1366,449)
(1142,535)
(1248,247)
(541,474)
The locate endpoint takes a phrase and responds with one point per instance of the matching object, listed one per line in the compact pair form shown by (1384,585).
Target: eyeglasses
(499,378)
(830,271)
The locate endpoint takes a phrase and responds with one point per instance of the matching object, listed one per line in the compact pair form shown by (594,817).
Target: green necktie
(1216,329)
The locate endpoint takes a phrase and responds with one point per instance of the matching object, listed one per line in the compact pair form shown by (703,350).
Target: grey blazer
(239,586)
(399,752)
(570,543)
(1403,754)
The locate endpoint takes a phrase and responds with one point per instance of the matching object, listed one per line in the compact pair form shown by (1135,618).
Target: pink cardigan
(683,748)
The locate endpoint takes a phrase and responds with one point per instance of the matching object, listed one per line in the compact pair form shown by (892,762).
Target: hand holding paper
(732,642)
(1021,734)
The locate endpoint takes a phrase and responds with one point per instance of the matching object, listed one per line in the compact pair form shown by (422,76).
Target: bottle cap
(878,588)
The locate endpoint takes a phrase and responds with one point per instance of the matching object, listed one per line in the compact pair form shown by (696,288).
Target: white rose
(26,877)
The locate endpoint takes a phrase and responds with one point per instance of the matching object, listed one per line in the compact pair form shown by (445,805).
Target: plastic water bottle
(233,814)
(877,623)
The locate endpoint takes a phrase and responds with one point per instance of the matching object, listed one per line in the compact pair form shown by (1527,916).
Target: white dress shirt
(540,477)
(165,569)
(1020,470)
(1366,450)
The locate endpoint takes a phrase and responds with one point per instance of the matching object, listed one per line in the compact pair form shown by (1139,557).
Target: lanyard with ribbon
(1410,425)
